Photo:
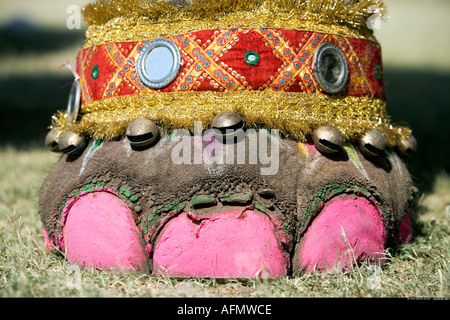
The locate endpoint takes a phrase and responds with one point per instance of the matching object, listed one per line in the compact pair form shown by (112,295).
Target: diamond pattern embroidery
(215,60)
(203,63)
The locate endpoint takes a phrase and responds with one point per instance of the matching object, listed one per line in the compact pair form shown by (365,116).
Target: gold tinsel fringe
(354,12)
(294,114)
(124,20)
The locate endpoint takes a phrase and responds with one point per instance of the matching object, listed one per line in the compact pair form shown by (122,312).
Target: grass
(28,269)
(418,79)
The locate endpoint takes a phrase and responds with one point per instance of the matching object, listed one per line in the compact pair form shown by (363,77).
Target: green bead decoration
(95,72)
(252,58)
(378,72)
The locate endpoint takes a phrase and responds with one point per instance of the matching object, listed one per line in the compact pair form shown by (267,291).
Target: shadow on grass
(416,98)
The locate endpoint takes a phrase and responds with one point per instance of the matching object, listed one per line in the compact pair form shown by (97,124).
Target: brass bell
(51,141)
(407,146)
(328,139)
(72,143)
(227,126)
(142,133)
(372,143)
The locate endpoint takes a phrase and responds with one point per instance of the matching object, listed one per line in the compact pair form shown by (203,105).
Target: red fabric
(260,74)
(213,60)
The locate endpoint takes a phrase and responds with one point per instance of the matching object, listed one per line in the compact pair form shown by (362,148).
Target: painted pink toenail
(230,244)
(100,232)
(348,229)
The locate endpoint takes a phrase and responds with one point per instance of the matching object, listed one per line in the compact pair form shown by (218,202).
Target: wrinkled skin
(114,206)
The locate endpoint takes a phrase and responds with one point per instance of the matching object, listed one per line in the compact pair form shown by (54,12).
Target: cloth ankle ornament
(310,70)
(316,65)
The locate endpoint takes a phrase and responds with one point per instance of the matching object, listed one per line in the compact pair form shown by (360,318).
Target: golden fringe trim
(135,20)
(351,12)
(138,29)
(294,114)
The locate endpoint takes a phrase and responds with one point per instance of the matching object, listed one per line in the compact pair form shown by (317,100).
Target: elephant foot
(123,208)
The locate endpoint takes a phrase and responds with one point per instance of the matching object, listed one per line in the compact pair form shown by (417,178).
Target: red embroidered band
(233,60)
